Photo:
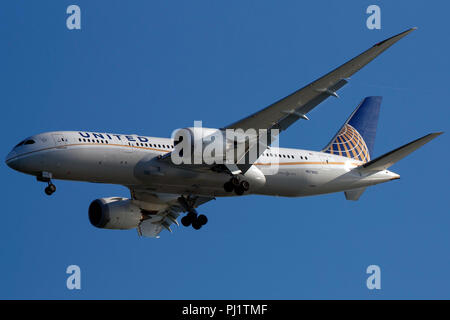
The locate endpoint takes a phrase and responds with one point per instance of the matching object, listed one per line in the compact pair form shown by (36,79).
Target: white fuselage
(131,160)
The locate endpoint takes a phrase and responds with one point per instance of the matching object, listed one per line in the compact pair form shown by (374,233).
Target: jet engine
(114,213)
(191,144)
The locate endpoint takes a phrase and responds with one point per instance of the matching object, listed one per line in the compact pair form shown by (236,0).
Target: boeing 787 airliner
(162,188)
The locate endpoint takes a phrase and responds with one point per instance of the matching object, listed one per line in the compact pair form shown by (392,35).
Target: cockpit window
(29,141)
(20,143)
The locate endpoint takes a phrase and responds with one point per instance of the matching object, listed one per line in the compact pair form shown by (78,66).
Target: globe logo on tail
(349,143)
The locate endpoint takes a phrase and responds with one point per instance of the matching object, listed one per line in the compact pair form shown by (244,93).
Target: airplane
(162,190)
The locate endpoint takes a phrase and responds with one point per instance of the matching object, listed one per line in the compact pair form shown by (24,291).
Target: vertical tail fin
(356,138)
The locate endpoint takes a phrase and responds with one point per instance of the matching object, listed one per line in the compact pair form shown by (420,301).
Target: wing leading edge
(281,114)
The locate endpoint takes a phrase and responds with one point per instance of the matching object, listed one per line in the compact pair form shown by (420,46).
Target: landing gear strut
(192,217)
(47,177)
(239,187)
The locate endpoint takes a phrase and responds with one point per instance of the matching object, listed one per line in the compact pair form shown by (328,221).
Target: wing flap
(149,229)
(160,210)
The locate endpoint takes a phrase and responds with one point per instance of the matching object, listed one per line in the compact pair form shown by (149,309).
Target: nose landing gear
(47,177)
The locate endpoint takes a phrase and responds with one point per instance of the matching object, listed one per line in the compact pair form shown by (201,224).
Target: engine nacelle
(191,144)
(114,213)
(197,134)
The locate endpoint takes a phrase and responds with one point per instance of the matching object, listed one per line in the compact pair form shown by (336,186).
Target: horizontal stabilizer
(354,194)
(385,161)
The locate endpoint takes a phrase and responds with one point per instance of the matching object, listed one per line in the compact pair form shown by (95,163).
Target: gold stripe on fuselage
(161,150)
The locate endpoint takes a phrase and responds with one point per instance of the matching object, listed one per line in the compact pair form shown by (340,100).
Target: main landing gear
(192,217)
(239,187)
(197,221)
(47,177)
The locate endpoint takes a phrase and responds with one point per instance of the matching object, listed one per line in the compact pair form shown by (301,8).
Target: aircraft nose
(11,162)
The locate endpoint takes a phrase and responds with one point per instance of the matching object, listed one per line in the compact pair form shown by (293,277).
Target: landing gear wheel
(189,219)
(185,221)
(196,224)
(239,191)
(228,186)
(202,219)
(50,189)
(234,181)
(244,185)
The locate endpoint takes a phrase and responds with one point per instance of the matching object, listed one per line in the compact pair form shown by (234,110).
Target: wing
(161,210)
(283,113)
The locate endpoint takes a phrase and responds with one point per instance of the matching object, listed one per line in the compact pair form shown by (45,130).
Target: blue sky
(148,67)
